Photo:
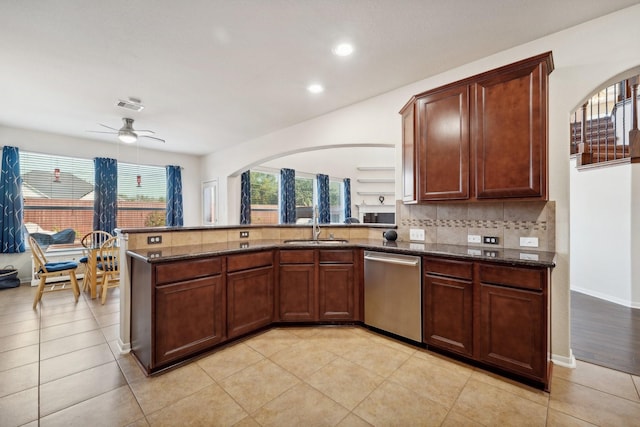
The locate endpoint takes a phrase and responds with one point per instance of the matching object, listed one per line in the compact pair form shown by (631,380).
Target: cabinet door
(296,294)
(188,317)
(249,300)
(443,145)
(335,292)
(408,154)
(448,313)
(510,138)
(512,330)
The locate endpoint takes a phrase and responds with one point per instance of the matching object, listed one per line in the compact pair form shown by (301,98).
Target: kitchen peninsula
(203,287)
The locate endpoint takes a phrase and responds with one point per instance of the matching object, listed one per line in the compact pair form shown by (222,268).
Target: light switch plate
(416,234)
(529,242)
(474,238)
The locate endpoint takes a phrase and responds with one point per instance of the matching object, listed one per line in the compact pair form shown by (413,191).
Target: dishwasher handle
(390,260)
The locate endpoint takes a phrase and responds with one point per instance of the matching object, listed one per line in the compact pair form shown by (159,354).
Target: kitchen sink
(317,242)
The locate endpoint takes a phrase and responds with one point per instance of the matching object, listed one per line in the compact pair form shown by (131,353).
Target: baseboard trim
(122,347)
(564,361)
(599,295)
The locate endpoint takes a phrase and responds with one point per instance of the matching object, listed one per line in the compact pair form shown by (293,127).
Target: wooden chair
(46,270)
(90,242)
(109,266)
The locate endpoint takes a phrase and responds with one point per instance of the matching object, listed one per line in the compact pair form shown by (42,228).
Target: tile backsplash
(451,223)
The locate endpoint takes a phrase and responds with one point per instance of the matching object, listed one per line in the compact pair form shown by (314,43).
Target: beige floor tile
(393,405)
(76,361)
(139,423)
(19,408)
(65,317)
(535,395)
(19,327)
(18,379)
(71,343)
(154,393)
(389,342)
(380,359)
(108,319)
(456,420)
(592,405)
(21,316)
(76,388)
(345,382)
(229,360)
(444,361)
(613,382)
(251,394)
(299,406)
(111,332)
(353,420)
(303,359)
(273,341)
(247,422)
(24,339)
(210,406)
(558,419)
(636,382)
(18,357)
(431,380)
(117,407)
(67,329)
(303,332)
(130,368)
(490,405)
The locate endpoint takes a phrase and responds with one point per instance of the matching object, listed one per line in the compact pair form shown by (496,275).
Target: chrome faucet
(316,223)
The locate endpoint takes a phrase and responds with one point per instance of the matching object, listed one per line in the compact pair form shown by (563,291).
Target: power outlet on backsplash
(244,234)
(490,240)
(154,240)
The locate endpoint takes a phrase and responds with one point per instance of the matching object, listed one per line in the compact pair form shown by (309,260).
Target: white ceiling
(213,73)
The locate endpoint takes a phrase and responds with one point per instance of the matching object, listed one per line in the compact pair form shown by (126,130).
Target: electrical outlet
(416,234)
(154,254)
(154,240)
(473,238)
(244,234)
(529,242)
(490,240)
(244,245)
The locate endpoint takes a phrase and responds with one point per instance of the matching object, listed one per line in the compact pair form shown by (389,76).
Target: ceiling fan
(127,133)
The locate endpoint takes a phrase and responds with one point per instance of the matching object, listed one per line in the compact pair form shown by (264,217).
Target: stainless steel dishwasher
(393,294)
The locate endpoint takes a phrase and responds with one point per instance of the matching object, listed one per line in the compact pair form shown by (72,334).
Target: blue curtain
(105,203)
(324,213)
(245,197)
(287,196)
(174,217)
(347,198)
(11,237)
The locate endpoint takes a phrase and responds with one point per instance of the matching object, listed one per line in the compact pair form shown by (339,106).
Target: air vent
(130,104)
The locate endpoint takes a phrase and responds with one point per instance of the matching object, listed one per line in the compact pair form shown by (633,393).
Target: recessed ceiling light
(315,88)
(343,49)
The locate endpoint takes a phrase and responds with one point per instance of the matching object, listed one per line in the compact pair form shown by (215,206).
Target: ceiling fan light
(127,137)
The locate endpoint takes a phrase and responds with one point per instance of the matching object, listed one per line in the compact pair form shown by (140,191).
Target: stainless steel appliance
(393,294)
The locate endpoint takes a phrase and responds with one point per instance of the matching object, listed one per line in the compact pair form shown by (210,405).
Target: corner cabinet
(484,137)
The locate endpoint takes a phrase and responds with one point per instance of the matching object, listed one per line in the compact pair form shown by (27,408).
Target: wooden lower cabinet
(491,313)
(189,318)
(297,293)
(249,300)
(335,292)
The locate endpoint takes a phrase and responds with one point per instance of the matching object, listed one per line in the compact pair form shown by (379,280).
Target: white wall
(585,57)
(48,143)
(601,232)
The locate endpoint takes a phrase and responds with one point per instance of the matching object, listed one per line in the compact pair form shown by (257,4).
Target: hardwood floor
(605,334)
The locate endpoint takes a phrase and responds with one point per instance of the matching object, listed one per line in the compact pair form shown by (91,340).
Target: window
(305,196)
(58,195)
(336,201)
(142,192)
(264,197)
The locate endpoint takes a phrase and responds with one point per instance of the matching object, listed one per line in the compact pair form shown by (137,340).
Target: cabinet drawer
(186,270)
(526,278)
(336,256)
(449,268)
(296,257)
(247,261)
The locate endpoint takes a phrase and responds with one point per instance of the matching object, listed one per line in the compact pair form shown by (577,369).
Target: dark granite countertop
(472,253)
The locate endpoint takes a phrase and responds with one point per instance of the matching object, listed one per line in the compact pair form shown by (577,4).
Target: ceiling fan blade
(102,131)
(108,127)
(149,131)
(151,137)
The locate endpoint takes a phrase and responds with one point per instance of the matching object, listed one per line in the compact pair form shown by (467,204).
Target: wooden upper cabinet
(443,144)
(510,135)
(484,137)
(408,153)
